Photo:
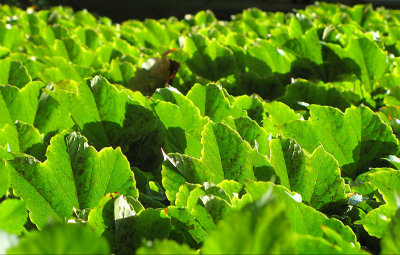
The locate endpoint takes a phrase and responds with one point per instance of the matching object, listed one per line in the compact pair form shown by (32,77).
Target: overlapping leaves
(355,138)
(74,175)
(326,151)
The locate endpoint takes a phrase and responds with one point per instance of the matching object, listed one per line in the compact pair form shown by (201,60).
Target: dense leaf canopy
(268,133)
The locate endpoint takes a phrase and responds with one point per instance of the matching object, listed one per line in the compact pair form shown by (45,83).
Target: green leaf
(58,69)
(74,175)
(198,209)
(4,52)
(251,132)
(259,228)
(13,73)
(355,138)
(363,185)
(252,105)
(165,247)
(213,101)
(342,245)
(232,189)
(73,52)
(20,107)
(303,91)
(79,101)
(51,117)
(186,225)
(377,220)
(247,82)
(122,72)
(390,242)
(11,37)
(9,137)
(208,58)
(182,120)
(22,138)
(150,224)
(263,59)
(199,147)
(315,177)
(387,181)
(189,194)
(391,116)
(304,219)
(306,244)
(30,140)
(157,34)
(20,103)
(200,216)
(126,124)
(298,25)
(370,58)
(224,156)
(5,169)
(393,96)
(62,239)
(13,216)
(88,37)
(278,114)
(124,222)
(103,216)
(307,47)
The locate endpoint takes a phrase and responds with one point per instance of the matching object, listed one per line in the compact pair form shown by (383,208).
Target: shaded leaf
(20,103)
(124,223)
(126,123)
(182,120)
(13,73)
(208,58)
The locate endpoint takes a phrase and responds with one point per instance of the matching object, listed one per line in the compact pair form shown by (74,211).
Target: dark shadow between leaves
(38,151)
(311,93)
(367,155)
(392,49)
(125,223)
(176,140)
(255,77)
(131,232)
(338,207)
(268,88)
(212,69)
(141,137)
(271,85)
(266,174)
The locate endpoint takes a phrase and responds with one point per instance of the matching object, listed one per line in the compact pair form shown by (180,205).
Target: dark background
(120,10)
